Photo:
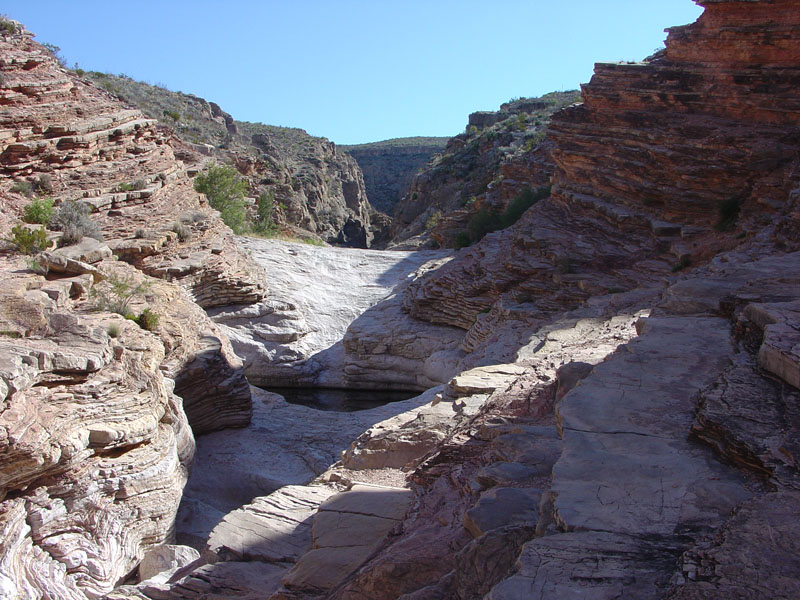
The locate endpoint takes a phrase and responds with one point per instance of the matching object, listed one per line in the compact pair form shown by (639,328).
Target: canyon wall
(389,166)
(498,155)
(318,190)
(96,445)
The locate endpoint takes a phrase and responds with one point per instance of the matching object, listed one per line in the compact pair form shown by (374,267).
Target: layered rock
(96,446)
(318,189)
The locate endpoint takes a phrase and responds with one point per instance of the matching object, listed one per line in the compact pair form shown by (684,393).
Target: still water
(341,400)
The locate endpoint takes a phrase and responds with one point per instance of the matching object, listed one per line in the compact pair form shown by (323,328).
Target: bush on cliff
(73,219)
(225,191)
(488,220)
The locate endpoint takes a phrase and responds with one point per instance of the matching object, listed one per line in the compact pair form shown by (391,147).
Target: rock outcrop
(389,166)
(96,445)
(298,336)
(499,155)
(318,190)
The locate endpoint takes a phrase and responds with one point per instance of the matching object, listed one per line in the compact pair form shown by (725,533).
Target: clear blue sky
(354,70)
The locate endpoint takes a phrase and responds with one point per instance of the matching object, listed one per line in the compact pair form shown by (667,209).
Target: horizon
(363,72)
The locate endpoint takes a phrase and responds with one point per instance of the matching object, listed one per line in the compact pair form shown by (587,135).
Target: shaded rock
(165,560)
(503,507)
(348,528)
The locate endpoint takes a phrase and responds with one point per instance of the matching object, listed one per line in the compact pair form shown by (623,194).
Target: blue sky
(354,70)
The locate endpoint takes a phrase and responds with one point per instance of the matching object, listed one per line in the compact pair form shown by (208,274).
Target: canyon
(608,388)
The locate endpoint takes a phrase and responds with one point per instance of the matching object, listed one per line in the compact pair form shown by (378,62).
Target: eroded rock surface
(294,337)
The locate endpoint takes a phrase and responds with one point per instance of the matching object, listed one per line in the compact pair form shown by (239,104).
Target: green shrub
(23,187)
(225,190)
(172,114)
(73,219)
(116,293)
(124,187)
(266,205)
(147,320)
(728,214)
(40,211)
(462,240)
(28,241)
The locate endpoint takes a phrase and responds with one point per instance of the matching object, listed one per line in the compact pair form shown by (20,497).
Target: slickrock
(348,528)
(297,336)
(285,444)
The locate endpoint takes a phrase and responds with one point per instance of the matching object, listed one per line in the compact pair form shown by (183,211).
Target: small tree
(225,190)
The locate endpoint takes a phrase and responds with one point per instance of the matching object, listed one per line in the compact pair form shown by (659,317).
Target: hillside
(317,188)
(498,155)
(389,166)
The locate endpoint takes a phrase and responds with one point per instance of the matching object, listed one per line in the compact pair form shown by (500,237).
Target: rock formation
(389,166)
(499,155)
(96,445)
(640,440)
(318,189)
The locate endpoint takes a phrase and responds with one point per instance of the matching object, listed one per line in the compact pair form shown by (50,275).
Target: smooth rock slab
(347,530)
(274,528)
(503,507)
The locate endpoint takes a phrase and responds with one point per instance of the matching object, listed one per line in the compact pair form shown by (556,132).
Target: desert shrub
(75,223)
(139,184)
(484,221)
(56,52)
(522,202)
(116,293)
(7,26)
(184,233)
(488,220)
(225,190)
(28,241)
(140,234)
(684,262)
(43,184)
(113,330)
(40,211)
(23,187)
(433,220)
(147,320)
(172,114)
(728,211)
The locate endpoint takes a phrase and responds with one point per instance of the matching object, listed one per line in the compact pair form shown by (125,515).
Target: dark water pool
(341,400)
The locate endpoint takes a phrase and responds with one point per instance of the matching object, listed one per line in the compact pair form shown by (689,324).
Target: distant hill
(389,166)
(317,188)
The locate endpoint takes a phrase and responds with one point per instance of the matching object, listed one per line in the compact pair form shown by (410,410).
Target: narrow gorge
(602,398)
